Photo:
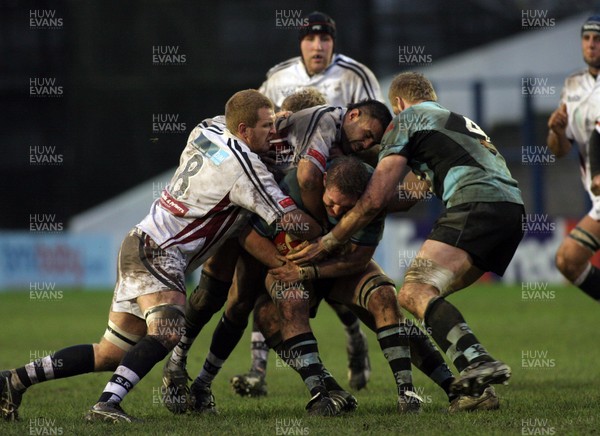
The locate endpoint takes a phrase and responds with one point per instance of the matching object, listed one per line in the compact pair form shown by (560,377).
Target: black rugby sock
(591,283)
(425,356)
(394,342)
(136,363)
(208,298)
(453,335)
(225,338)
(302,354)
(75,360)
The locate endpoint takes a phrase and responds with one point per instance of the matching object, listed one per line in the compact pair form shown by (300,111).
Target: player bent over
(355,280)
(306,139)
(184,225)
(292,310)
(346,178)
(253,383)
(479,231)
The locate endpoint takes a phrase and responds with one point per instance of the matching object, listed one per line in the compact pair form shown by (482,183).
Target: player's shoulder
(349,64)
(218,122)
(311,115)
(576,76)
(217,144)
(282,66)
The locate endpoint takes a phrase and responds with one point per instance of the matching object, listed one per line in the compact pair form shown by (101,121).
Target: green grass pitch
(550,338)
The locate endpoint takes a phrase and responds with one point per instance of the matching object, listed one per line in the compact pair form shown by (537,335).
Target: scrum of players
(294,219)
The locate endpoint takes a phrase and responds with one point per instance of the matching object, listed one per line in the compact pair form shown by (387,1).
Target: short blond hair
(243,107)
(303,99)
(412,87)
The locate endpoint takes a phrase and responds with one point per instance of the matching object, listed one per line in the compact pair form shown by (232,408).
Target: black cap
(317,22)
(592,24)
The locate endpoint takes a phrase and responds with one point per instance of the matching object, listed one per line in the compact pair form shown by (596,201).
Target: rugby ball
(286,242)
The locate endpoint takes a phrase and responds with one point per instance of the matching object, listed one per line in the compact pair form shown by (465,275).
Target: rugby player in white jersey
(219,181)
(340,79)
(576,120)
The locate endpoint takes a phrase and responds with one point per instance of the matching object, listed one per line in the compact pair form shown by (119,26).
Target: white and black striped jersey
(581,94)
(307,134)
(343,82)
(218,180)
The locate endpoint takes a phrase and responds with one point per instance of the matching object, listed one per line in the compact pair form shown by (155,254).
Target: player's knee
(378,288)
(240,310)
(166,324)
(266,317)
(574,254)
(113,346)
(404,296)
(209,296)
(383,306)
(423,271)
(382,296)
(407,298)
(292,310)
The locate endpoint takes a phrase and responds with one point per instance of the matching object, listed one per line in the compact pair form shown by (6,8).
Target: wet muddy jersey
(369,236)
(310,134)
(218,182)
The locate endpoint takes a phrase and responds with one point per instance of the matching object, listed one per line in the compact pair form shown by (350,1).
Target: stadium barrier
(30,260)
(44,261)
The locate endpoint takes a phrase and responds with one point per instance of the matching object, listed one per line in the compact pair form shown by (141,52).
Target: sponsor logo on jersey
(219,157)
(318,156)
(173,206)
(286,202)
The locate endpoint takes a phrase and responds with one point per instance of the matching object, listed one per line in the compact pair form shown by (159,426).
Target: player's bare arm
(410,192)
(381,189)
(301,225)
(557,139)
(354,261)
(260,247)
(310,180)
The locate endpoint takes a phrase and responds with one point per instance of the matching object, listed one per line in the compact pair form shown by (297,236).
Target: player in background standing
(342,81)
(479,230)
(183,227)
(576,120)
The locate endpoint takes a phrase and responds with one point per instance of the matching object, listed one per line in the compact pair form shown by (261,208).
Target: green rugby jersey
(453,153)
(369,236)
